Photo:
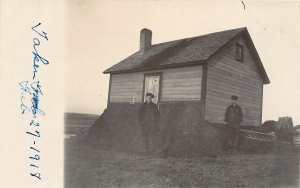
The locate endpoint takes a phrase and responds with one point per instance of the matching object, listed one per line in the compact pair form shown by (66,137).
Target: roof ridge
(229,30)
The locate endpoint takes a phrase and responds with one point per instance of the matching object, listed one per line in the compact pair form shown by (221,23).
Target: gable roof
(183,52)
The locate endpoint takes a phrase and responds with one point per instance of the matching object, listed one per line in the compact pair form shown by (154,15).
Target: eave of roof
(166,66)
(261,68)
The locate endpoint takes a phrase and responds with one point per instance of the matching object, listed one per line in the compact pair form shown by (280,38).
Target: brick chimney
(145,39)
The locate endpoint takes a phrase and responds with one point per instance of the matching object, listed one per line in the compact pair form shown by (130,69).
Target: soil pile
(117,128)
(182,132)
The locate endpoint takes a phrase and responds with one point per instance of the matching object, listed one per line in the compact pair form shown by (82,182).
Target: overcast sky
(102,33)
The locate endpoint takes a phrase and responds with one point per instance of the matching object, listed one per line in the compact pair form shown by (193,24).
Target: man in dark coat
(233,117)
(149,118)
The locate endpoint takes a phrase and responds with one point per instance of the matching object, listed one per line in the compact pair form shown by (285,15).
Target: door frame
(160,84)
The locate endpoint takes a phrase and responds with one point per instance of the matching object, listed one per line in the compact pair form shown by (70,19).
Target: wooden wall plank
(211,102)
(181,92)
(182,80)
(242,92)
(178,88)
(222,107)
(182,75)
(182,99)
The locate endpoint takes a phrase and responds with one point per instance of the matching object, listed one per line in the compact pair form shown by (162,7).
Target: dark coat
(149,117)
(233,114)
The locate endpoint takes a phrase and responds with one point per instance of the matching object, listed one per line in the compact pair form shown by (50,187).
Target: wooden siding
(225,77)
(126,87)
(178,84)
(181,84)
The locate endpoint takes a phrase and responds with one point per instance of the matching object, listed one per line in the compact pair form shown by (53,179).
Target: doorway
(152,85)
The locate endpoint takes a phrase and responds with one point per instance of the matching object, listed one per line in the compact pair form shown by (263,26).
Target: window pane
(239,52)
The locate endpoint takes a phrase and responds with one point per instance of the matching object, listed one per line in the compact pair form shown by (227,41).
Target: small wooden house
(202,71)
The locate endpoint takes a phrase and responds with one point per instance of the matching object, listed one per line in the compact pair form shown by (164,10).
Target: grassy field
(87,166)
(76,123)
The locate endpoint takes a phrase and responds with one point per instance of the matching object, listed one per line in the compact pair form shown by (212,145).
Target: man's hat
(149,94)
(233,97)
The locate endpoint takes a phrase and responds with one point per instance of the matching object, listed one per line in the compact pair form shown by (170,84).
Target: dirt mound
(186,134)
(117,128)
(182,133)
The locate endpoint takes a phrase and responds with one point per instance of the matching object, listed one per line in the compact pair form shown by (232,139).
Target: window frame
(160,74)
(237,55)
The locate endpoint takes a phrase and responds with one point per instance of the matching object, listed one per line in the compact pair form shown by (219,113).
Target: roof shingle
(188,51)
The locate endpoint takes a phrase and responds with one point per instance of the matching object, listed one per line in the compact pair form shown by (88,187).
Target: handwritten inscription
(31,93)
(37,57)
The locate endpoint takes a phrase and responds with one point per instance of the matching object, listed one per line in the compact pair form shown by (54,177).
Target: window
(239,52)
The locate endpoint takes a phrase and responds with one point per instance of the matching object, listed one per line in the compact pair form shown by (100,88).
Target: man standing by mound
(149,118)
(234,117)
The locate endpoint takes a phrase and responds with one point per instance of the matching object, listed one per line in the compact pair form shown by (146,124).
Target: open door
(152,85)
